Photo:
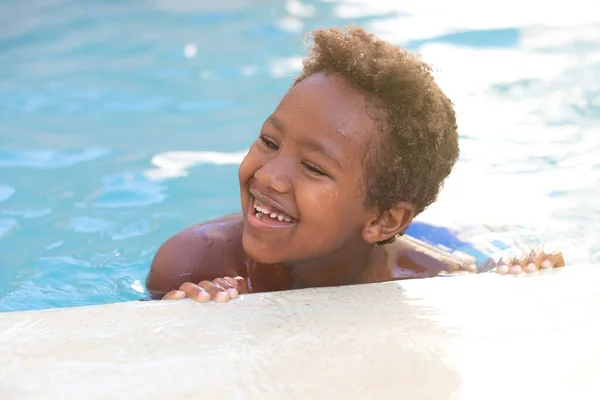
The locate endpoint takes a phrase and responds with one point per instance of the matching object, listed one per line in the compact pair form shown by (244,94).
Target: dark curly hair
(405,103)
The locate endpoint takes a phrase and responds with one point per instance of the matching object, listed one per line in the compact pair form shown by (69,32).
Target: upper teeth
(280,217)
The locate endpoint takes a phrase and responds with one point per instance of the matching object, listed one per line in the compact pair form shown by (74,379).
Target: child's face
(306,171)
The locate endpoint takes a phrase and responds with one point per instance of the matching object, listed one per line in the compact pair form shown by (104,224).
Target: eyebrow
(312,145)
(276,123)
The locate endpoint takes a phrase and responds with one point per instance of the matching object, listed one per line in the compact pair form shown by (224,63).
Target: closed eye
(269,143)
(313,169)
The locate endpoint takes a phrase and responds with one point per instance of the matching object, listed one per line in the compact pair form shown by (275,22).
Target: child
(359,145)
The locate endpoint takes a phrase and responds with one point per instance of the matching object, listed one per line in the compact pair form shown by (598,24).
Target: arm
(413,258)
(203,252)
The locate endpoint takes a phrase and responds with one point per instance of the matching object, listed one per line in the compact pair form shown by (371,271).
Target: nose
(274,175)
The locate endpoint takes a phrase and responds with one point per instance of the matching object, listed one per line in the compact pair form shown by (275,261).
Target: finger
(174,295)
(546,262)
(224,283)
(558,260)
(232,281)
(517,266)
(217,293)
(195,292)
(534,260)
(504,265)
(553,260)
(239,283)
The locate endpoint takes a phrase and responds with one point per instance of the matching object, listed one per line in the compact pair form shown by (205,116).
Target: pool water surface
(122,123)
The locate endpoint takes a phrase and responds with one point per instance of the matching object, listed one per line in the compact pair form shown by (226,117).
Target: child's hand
(219,290)
(531,262)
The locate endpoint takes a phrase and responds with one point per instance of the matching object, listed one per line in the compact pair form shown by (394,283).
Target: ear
(384,225)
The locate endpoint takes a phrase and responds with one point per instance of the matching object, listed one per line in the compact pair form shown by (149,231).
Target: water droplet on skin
(209,243)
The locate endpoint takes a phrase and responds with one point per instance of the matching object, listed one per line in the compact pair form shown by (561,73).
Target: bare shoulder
(202,252)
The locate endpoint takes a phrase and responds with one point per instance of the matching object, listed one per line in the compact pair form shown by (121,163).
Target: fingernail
(203,296)
(516,269)
(232,281)
(502,269)
(221,297)
(546,264)
(233,293)
(530,268)
(558,259)
(174,295)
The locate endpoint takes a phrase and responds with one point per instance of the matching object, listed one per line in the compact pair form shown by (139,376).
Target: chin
(259,252)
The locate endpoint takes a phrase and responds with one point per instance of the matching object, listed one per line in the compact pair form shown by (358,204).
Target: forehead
(326,106)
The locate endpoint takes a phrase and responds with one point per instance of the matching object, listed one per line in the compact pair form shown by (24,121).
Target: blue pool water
(123,122)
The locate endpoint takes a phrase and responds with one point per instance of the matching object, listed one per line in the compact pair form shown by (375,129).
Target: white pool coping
(472,337)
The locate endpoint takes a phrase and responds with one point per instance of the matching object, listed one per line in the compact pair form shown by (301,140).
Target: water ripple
(49,159)
(90,225)
(6,192)
(6,225)
(137,228)
(76,280)
(129,190)
(526,86)
(28,213)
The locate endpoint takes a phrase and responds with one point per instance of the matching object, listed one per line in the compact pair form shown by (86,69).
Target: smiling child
(359,145)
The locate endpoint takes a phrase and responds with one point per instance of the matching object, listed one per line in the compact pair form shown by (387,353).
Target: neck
(344,267)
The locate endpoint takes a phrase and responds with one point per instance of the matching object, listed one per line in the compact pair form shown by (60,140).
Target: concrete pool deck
(468,337)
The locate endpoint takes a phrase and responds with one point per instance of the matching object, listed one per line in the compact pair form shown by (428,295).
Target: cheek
(335,205)
(324,205)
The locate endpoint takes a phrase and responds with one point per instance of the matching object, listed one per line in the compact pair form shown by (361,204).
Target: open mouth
(270,215)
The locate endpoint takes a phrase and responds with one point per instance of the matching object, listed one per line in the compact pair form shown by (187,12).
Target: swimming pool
(122,123)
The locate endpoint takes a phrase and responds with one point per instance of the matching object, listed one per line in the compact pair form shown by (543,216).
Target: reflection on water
(43,159)
(124,122)
(174,164)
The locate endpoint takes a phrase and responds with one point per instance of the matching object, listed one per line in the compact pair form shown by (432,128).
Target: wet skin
(207,258)
(304,222)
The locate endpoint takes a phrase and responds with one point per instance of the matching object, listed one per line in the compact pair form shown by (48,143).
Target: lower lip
(265,222)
